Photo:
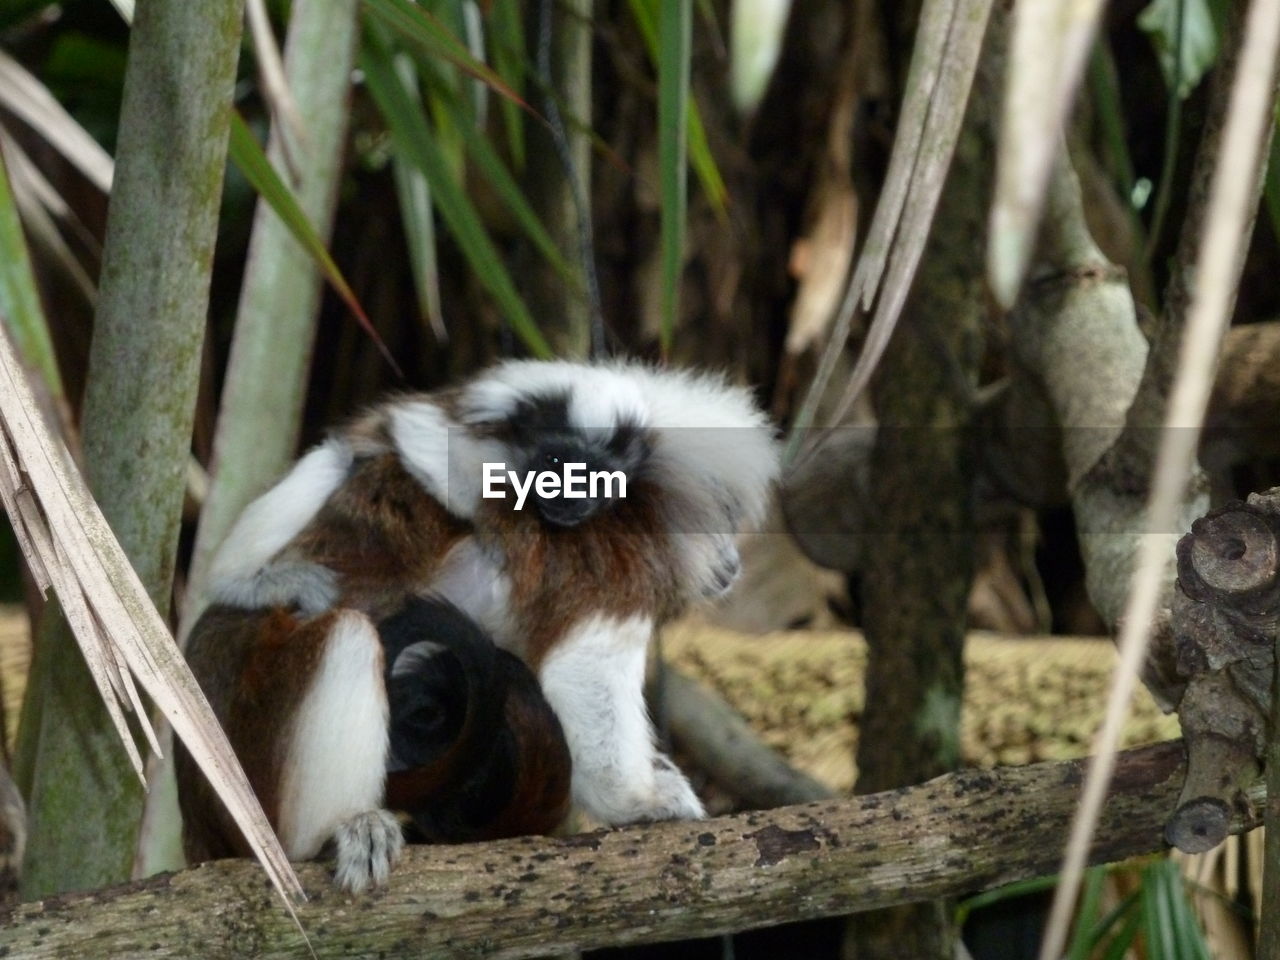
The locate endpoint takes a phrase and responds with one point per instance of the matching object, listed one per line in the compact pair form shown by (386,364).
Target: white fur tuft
(335,761)
(444,456)
(473,579)
(600,395)
(268,524)
(712,435)
(594,680)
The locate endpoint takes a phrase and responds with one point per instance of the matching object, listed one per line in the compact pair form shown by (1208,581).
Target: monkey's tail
(444,688)
(476,751)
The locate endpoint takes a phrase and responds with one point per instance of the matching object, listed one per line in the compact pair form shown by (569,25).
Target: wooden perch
(959,833)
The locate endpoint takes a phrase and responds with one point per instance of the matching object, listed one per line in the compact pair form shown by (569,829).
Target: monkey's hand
(367,846)
(310,587)
(713,564)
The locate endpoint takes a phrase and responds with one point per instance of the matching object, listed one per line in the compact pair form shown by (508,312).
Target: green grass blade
(700,157)
(704,164)
(495,171)
(249,157)
(674,46)
(1106,100)
(417,25)
(1123,941)
(1188,936)
(19,297)
(1086,914)
(507,50)
(414,194)
(1009,891)
(1156,919)
(409,127)
(1128,909)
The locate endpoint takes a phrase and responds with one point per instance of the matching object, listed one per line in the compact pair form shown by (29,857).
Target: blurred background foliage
(673,180)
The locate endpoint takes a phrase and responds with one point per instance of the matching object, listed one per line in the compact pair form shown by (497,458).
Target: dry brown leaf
(26,97)
(943,63)
(71,547)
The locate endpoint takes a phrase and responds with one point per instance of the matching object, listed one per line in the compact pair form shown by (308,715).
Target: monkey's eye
(551,460)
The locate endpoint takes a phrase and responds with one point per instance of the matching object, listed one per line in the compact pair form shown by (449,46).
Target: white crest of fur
(714,447)
(443,455)
(594,681)
(335,761)
(268,524)
(713,450)
(710,436)
(600,395)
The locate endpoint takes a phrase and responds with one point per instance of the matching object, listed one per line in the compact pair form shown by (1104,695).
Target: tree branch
(532,897)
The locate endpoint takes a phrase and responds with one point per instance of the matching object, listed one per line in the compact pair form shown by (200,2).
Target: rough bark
(1269,905)
(1225,624)
(533,897)
(921,545)
(139,405)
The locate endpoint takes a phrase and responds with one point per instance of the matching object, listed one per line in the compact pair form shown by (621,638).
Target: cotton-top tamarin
(434,496)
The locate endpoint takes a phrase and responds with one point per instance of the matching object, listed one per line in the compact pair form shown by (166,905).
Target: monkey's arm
(245,575)
(594,680)
(335,760)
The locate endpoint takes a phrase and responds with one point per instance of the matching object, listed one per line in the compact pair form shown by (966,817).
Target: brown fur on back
(382,534)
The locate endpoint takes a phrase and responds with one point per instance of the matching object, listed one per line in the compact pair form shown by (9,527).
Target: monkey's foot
(367,845)
(664,795)
(675,799)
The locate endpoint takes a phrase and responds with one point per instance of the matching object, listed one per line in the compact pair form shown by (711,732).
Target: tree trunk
(919,560)
(266,379)
(139,403)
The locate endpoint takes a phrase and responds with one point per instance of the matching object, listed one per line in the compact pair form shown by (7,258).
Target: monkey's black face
(594,467)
